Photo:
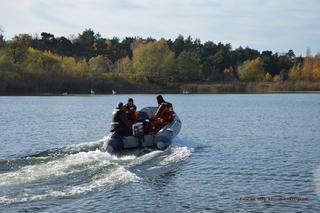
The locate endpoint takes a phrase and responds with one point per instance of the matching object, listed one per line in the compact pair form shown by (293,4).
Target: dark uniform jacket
(120,123)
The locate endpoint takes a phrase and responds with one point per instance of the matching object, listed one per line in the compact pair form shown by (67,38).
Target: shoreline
(286,87)
(167,93)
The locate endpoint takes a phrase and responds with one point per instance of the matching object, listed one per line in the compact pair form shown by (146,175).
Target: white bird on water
(92,92)
(114,92)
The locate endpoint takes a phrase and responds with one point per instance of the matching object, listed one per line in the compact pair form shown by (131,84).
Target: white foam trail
(60,167)
(5,200)
(124,158)
(144,158)
(83,161)
(178,154)
(119,176)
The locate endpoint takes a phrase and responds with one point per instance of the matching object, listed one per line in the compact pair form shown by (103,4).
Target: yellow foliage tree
(71,67)
(316,68)
(42,62)
(316,74)
(123,65)
(251,70)
(153,61)
(295,73)
(268,77)
(311,68)
(306,73)
(100,64)
(276,78)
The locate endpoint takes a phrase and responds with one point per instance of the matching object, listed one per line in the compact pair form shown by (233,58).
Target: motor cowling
(137,129)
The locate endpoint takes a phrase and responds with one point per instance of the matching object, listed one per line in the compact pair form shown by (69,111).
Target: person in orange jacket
(164,114)
(131,110)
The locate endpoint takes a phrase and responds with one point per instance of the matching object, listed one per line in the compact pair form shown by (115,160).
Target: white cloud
(272,24)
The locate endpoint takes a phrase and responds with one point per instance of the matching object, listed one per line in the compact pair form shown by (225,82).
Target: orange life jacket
(132,112)
(167,114)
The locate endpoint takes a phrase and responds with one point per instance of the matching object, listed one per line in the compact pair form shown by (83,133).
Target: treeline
(88,61)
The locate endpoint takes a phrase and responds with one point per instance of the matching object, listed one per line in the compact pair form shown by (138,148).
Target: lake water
(230,148)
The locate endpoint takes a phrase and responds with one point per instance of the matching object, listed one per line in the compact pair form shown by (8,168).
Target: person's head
(120,105)
(160,99)
(130,101)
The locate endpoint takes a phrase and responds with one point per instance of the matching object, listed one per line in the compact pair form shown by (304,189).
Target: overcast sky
(277,25)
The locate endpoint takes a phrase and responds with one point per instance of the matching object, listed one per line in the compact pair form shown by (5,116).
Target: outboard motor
(137,129)
(144,119)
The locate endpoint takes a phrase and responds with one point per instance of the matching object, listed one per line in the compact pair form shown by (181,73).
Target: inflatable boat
(159,140)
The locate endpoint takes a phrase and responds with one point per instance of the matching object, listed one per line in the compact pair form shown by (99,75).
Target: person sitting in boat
(164,114)
(131,109)
(120,122)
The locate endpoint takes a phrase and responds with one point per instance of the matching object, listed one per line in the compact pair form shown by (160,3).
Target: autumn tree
(316,68)
(311,68)
(88,60)
(124,65)
(268,77)
(16,50)
(100,64)
(153,61)
(251,70)
(295,73)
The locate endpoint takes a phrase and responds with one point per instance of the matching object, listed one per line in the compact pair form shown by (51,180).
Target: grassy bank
(252,87)
(199,88)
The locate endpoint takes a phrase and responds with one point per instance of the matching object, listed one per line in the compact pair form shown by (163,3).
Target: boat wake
(77,169)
